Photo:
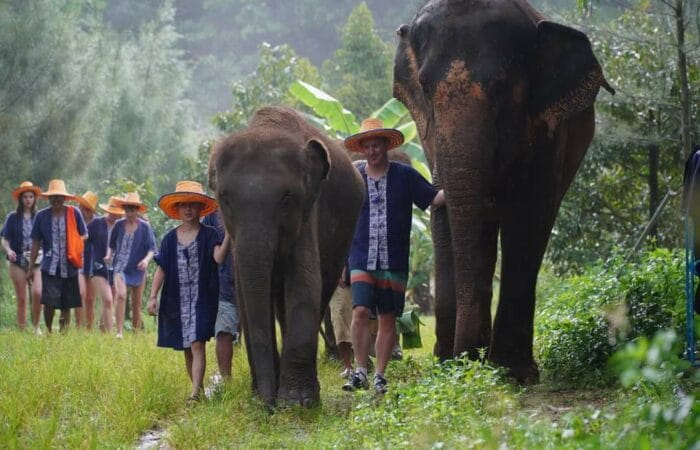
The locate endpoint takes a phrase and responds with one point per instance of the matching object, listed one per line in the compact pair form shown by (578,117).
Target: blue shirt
(12,231)
(41,231)
(226,280)
(96,243)
(144,241)
(405,187)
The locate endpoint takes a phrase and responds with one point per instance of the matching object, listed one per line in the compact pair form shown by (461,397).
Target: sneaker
(380,384)
(38,331)
(119,336)
(346,373)
(358,380)
(397,353)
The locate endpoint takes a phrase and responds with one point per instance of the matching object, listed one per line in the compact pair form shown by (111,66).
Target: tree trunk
(679,12)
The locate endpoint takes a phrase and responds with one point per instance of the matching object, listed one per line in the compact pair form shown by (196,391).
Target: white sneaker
(38,331)
(119,336)
(346,373)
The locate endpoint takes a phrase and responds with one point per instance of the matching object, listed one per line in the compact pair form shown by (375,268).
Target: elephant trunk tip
(607,87)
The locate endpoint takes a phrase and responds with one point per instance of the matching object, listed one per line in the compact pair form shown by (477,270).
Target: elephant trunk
(254,256)
(465,167)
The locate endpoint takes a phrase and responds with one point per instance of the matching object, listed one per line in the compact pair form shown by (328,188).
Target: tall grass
(84,390)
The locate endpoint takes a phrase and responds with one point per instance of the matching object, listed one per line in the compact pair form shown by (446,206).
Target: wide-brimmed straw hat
(87,200)
(26,186)
(132,199)
(112,207)
(187,192)
(57,187)
(374,128)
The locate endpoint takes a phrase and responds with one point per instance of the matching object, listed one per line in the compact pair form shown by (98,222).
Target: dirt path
(550,403)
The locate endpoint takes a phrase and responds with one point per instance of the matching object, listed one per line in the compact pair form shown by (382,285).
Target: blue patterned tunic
(188,276)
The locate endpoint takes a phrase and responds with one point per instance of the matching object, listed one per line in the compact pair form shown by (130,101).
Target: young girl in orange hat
(187,272)
(17,242)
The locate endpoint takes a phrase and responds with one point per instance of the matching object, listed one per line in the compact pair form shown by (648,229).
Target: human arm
(11,255)
(221,251)
(156,284)
(32,257)
(143,264)
(439,199)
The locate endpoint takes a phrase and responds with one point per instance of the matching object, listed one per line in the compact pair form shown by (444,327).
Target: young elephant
(290,198)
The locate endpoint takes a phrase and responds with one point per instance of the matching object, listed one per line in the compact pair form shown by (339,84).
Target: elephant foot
(304,396)
(526,375)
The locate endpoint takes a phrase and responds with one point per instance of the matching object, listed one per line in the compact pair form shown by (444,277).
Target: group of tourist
(69,256)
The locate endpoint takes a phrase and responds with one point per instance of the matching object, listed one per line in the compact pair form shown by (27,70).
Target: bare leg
(79,311)
(48,316)
(360,335)
(199,364)
(224,354)
(36,299)
(101,286)
(136,296)
(89,304)
(64,320)
(386,337)
(120,288)
(19,280)
(188,362)
(345,350)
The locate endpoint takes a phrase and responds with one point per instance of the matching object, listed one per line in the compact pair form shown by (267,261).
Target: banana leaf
(408,325)
(326,106)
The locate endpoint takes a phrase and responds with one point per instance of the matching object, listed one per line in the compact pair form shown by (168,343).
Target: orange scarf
(74,242)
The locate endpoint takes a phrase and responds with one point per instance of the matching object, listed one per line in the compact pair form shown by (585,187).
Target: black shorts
(61,293)
(101,270)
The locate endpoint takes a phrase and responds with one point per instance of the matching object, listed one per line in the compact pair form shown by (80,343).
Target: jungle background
(123,94)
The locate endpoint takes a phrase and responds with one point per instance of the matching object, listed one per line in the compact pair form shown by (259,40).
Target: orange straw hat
(131,199)
(112,207)
(57,187)
(187,192)
(374,128)
(26,186)
(87,200)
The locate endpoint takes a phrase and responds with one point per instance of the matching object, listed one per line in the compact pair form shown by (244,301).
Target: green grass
(90,390)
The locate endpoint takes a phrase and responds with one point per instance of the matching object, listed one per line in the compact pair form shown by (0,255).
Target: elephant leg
(444,284)
(298,373)
(476,318)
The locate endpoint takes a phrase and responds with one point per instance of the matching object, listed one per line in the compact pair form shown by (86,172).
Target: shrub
(578,328)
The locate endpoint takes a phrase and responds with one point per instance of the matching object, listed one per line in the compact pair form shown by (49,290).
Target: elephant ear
(318,160)
(565,75)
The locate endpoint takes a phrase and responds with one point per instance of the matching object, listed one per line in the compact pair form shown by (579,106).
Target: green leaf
(326,106)
(391,113)
(422,168)
(415,151)
(409,131)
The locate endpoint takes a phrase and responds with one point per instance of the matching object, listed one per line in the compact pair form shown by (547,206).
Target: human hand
(30,275)
(152,306)
(142,265)
(11,255)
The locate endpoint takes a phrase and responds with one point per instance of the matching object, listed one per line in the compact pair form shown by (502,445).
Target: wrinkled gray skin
(503,101)
(290,199)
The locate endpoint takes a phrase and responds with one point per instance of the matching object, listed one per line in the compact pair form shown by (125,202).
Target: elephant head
(503,103)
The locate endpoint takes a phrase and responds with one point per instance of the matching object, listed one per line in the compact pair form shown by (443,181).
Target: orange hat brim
(394,138)
(111,209)
(168,203)
(80,200)
(141,207)
(21,190)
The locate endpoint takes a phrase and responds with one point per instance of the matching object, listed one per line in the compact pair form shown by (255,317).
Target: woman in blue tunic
(131,247)
(187,272)
(16,241)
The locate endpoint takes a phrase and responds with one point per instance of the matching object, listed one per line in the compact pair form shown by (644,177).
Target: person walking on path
(59,230)
(187,271)
(379,252)
(87,203)
(17,243)
(101,276)
(226,329)
(132,245)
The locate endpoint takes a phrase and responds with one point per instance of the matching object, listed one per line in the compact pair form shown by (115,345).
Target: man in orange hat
(51,230)
(378,258)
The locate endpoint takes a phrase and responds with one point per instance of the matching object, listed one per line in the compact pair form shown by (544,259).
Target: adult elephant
(290,198)
(503,100)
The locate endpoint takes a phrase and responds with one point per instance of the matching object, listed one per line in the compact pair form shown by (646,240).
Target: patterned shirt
(27,223)
(188,277)
(122,257)
(59,263)
(378,253)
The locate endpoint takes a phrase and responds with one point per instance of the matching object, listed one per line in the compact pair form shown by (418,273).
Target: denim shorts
(227,320)
(382,291)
